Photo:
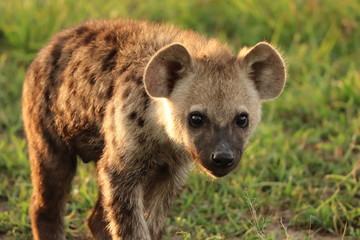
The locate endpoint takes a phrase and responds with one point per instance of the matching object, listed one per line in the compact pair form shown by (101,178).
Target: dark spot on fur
(92,49)
(68,55)
(102,112)
(220,67)
(146,103)
(29,112)
(133,115)
(89,38)
(56,56)
(47,110)
(110,91)
(71,83)
(86,70)
(64,38)
(139,81)
(61,112)
(47,95)
(109,62)
(146,100)
(126,93)
(75,68)
(92,79)
(80,30)
(141,122)
(129,77)
(124,68)
(111,38)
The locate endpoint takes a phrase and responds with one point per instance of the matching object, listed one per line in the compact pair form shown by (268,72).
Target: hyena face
(212,106)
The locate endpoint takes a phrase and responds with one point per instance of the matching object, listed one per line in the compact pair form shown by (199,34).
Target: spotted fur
(120,93)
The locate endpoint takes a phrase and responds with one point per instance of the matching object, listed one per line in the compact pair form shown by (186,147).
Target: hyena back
(144,102)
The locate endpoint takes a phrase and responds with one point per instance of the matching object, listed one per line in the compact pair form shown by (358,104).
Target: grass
(301,172)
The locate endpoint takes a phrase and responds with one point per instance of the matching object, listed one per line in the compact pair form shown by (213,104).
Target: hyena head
(212,103)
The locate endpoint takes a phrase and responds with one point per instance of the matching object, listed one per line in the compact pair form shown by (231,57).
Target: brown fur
(120,93)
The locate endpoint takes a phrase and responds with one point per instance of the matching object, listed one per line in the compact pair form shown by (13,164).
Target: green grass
(303,164)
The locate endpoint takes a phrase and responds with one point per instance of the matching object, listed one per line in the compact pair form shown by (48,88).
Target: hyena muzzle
(143,102)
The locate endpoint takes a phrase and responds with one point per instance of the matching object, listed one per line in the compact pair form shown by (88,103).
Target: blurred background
(299,178)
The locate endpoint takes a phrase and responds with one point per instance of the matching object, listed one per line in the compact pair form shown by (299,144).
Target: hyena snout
(223,159)
(218,151)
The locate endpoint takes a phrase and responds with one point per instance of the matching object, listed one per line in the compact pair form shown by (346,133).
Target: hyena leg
(52,169)
(162,187)
(123,198)
(97,222)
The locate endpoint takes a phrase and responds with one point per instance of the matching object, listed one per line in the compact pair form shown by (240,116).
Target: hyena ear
(165,68)
(266,69)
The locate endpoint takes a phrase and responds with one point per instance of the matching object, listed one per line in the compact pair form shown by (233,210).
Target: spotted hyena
(143,102)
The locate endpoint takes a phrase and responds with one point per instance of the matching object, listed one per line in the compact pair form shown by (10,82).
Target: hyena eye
(196,119)
(242,120)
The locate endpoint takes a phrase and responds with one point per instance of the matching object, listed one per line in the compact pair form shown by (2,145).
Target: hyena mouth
(218,164)
(222,169)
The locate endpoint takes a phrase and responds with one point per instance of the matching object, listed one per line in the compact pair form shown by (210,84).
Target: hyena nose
(222,159)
